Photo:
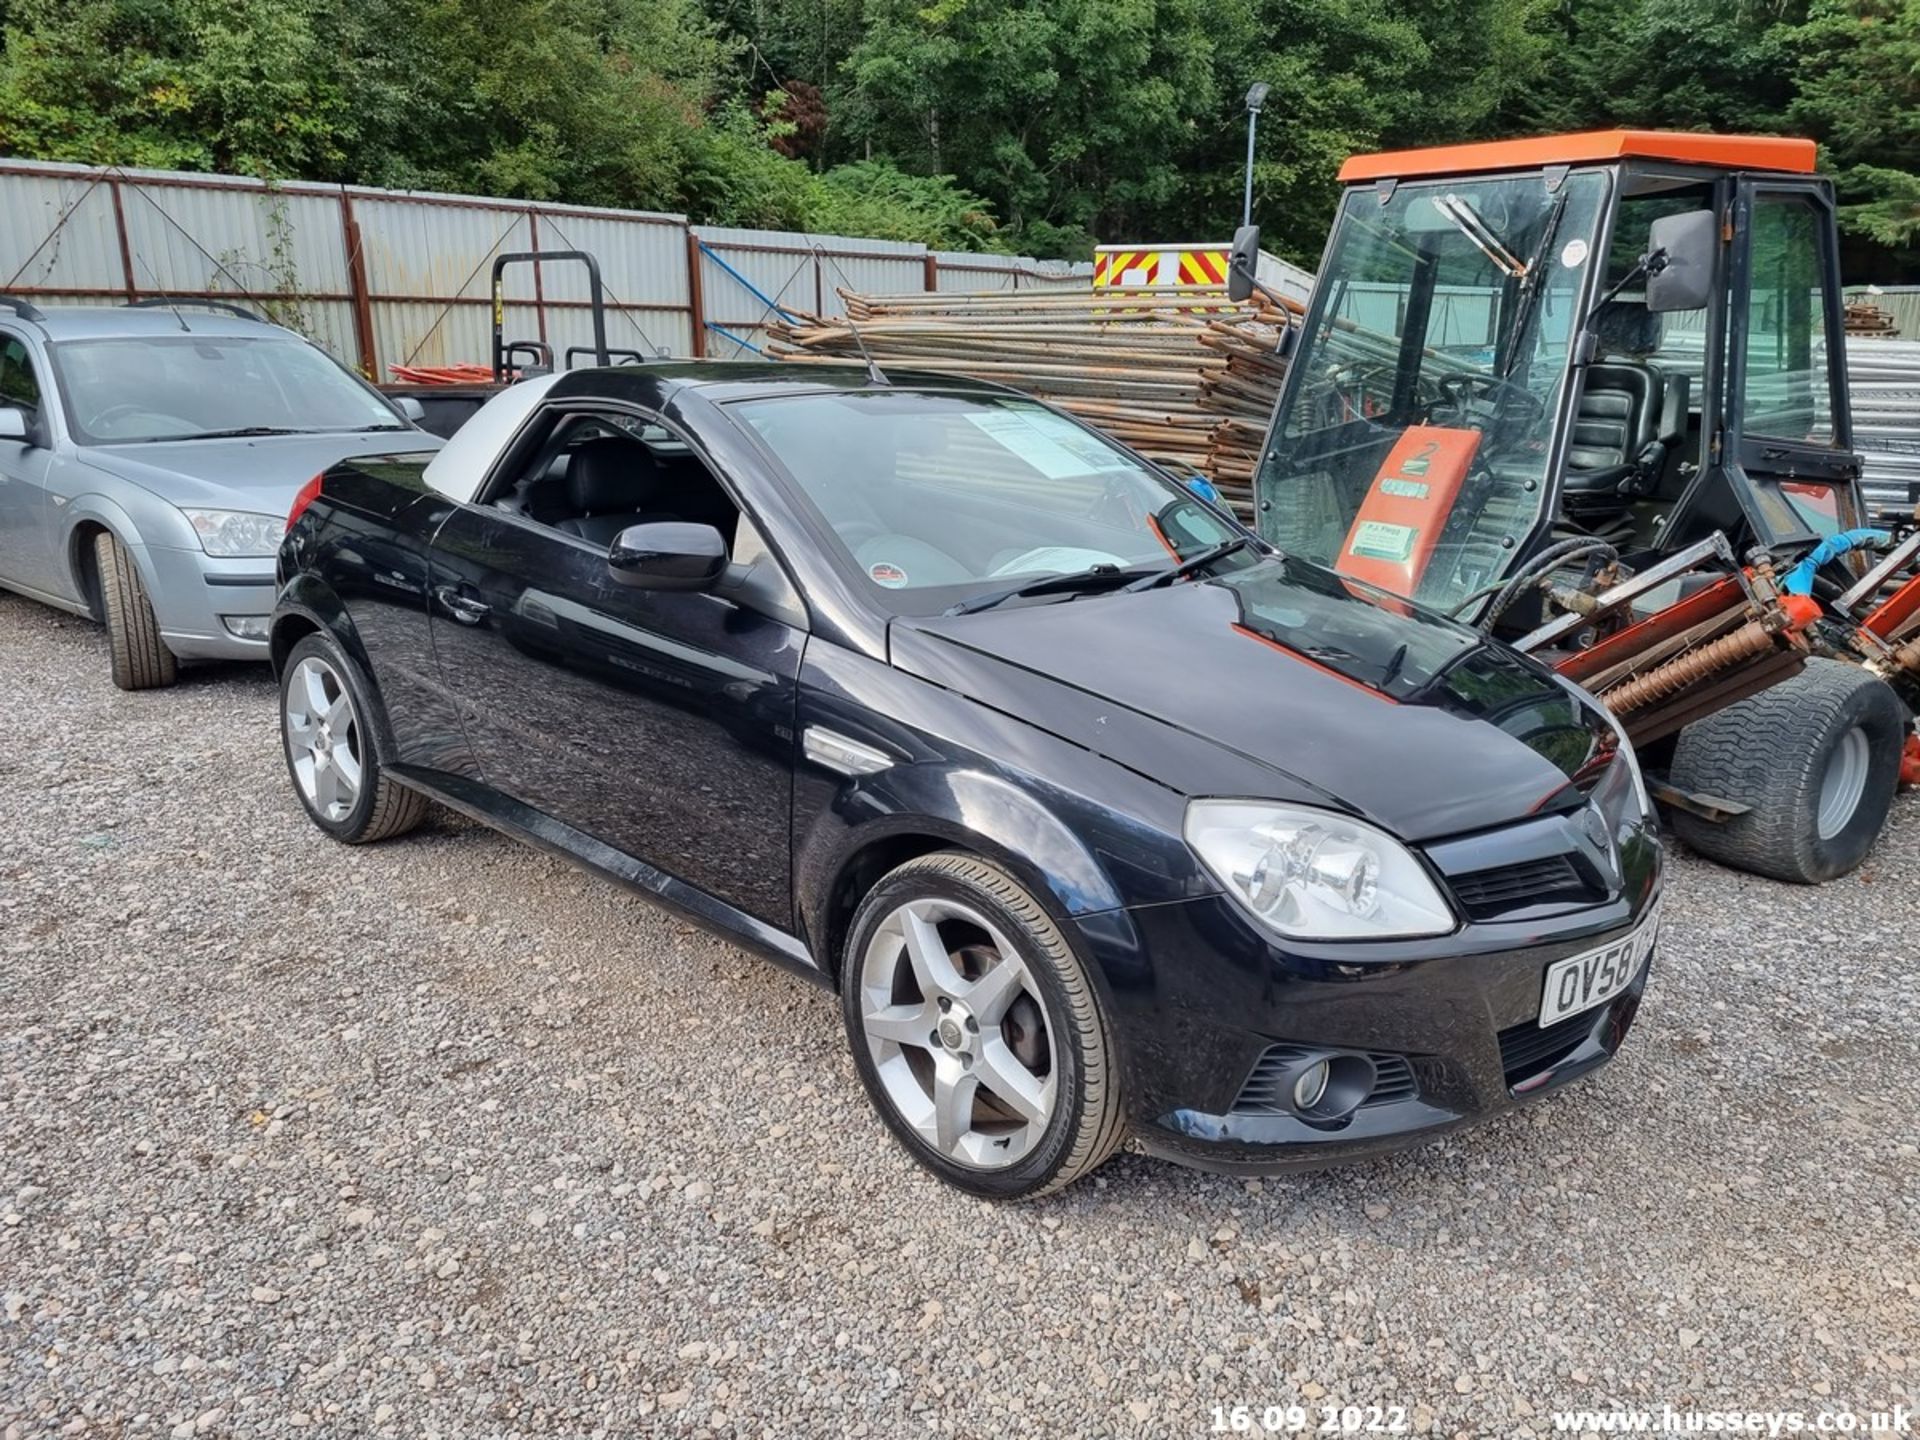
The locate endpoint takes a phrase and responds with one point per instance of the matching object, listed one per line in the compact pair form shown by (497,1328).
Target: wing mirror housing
(410,408)
(1243,262)
(667,555)
(13,426)
(1681,250)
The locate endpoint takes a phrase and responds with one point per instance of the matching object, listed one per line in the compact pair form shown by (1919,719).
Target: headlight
(1314,875)
(234,534)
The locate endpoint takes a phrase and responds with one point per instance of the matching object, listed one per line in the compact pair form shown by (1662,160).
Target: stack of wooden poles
(1186,379)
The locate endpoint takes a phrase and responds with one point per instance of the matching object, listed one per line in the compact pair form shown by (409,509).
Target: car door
(29,550)
(659,723)
(1789,428)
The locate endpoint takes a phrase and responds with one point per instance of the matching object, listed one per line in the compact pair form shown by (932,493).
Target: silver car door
(30,551)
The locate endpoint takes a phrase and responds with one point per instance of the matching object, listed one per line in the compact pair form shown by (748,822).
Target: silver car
(148,458)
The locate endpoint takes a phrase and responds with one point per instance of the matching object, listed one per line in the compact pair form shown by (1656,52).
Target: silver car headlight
(236,534)
(1310,874)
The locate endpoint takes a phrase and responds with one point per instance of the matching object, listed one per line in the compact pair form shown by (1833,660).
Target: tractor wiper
(1094,577)
(1467,220)
(1531,286)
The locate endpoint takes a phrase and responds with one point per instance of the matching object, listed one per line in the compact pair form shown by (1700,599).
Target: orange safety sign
(1160,267)
(1399,524)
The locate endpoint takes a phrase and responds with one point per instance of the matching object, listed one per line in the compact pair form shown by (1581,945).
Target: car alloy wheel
(323,739)
(959,1038)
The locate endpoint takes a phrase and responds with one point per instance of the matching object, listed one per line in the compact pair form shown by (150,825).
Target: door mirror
(1681,250)
(667,555)
(13,425)
(411,408)
(1243,262)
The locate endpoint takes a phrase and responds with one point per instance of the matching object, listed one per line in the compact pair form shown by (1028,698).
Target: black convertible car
(1104,819)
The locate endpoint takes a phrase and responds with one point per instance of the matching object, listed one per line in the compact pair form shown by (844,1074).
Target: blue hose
(1799,580)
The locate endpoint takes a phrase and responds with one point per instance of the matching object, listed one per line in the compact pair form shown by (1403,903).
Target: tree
(184,84)
(1070,116)
(1858,88)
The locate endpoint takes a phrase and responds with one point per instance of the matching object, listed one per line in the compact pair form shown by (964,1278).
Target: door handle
(461,607)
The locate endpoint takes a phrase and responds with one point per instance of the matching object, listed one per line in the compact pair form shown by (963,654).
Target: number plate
(1581,982)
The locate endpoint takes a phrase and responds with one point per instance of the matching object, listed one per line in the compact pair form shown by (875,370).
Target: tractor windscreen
(1412,445)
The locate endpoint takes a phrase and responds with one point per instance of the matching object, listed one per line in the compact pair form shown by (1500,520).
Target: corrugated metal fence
(383,277)
(1883,382)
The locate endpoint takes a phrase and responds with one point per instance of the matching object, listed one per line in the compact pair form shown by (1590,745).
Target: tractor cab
(1629,338)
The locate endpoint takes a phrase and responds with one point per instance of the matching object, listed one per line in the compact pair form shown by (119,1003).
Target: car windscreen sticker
(891,576)
(1054,446)
(1574,253)
(1377,540)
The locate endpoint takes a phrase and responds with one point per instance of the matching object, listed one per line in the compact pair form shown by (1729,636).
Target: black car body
(760,749)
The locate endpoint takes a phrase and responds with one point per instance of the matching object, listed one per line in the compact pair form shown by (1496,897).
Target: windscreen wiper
(1192,563)
(1094,577)
(240,433)
(1532,285)
(1467,221)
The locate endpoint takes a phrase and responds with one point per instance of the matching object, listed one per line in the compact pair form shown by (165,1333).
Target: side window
(592,475)
(1675,343)
(1786,393)
(19,390)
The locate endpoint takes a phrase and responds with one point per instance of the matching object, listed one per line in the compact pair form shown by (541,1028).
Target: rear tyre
(141,659)
(977,1032)
(1817,757)
(330,750)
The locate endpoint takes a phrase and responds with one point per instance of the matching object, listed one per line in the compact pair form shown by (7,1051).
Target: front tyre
(977,1032)
(1817,757)
(141,659)
(330,750)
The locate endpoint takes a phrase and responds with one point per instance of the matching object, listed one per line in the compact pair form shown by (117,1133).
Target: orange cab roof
(1733,152)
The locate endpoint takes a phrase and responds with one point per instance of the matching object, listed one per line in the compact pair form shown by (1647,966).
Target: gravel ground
(442,1137)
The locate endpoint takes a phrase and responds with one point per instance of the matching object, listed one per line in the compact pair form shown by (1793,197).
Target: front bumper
(1201,997)
(194,594)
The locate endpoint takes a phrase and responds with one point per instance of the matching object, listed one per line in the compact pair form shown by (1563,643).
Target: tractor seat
(1630,414)
(1629,417)
(612,482)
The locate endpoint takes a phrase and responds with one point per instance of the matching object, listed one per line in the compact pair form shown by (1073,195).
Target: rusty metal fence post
(696,297)
(360,293)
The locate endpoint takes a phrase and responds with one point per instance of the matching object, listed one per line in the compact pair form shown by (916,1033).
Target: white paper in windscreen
(1057,448)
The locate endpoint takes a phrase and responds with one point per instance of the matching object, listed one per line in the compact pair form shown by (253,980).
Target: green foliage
(1035,125)
(735,176)
(1859,91)
(1072,115)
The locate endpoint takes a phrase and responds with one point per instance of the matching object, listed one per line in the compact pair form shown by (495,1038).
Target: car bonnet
(1414,722)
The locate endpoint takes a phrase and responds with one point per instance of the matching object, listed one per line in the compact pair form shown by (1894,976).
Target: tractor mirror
(1243,262)
(1681,250)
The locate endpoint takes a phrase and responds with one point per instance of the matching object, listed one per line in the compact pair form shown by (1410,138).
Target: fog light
(245,627)
(1311,1086)
(1325,1087)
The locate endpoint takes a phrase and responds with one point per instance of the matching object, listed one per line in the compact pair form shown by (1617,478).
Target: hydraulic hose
(1799,580)
(1516,584)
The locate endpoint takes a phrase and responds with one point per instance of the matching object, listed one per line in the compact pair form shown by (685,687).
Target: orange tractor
(1589,392)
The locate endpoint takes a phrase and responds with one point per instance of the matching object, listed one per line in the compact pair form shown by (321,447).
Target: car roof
(105,322)
(724,380)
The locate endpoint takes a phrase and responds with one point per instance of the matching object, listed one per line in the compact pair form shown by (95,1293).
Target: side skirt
(522,822)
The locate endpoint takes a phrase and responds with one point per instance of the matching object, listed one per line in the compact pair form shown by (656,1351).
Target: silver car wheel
(958,1033)
(323,738)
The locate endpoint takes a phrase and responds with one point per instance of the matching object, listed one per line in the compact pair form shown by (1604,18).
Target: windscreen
(935,497)
(189,387)
(1412,445)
